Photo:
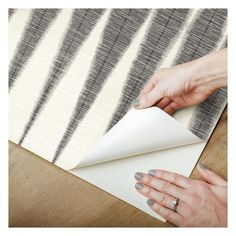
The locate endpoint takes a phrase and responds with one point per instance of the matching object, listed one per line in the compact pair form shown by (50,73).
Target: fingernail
(150,202)
(135,103)
(152,172)
(202,166)
(138,176)
(139,186)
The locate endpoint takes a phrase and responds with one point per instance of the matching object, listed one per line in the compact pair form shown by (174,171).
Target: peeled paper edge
(140,116)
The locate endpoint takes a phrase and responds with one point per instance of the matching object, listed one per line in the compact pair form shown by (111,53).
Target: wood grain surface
(43,195)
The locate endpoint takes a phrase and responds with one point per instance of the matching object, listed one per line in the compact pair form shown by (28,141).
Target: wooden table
(41,194)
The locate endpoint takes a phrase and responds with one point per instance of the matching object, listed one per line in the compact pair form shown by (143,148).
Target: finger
(161,185)
(162,198)
(210,176)
(168,214)
(147,88)
(172,107)
(171,177)
(163,102)
(149,98)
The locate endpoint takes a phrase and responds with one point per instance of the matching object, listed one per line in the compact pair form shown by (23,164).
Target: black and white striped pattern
(11,11)
(59,108)
(165,26)
(203,38)
(81,24)
(118,33)
(37,26)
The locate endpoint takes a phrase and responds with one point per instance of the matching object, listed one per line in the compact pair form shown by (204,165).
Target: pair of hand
(200,203)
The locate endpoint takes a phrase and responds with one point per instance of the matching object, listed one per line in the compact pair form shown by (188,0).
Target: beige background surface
(41,194)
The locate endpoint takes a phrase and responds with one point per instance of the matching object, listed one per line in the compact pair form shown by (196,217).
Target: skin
(202,203)
(186,84)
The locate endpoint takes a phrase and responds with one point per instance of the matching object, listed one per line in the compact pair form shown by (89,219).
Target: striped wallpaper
(73,73)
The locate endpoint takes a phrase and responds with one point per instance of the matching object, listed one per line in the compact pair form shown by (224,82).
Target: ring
(175,204)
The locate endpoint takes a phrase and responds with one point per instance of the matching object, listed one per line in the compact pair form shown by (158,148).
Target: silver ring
(175,204)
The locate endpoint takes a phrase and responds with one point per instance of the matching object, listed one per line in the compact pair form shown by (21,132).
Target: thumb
(147,100)
(210,176)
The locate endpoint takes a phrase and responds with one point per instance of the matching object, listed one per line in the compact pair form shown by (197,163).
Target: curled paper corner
(139,131)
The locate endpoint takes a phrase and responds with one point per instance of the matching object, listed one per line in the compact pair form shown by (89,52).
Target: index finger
(147,88)
(149,85)
(176,179)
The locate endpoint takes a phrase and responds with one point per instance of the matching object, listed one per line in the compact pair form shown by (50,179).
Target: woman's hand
(201,203)
(186,84)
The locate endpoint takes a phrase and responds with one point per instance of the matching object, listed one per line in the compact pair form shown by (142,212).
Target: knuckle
(188,181)
(160,174)
(149,180)
(164,199)
(164,186)
(148,191)
(173,106)
(174,178)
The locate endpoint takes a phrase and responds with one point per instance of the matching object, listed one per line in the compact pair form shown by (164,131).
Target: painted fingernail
(202,166)
(152,172)
(138,176)
(150,202)
(135,103)
(139,186)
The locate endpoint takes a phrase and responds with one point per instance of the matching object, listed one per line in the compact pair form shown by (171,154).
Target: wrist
(210,70)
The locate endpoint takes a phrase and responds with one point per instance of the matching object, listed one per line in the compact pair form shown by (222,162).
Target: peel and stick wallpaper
(73,74)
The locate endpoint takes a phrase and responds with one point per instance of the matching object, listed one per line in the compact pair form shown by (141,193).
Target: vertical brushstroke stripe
(166,24)
(209,111)
(203,36)
(175,47)
(11,11)
(35,29)
(207,114)
(82,22)
(203,39)
(118,33)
